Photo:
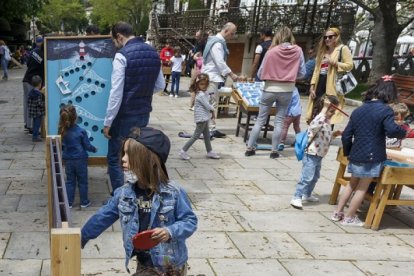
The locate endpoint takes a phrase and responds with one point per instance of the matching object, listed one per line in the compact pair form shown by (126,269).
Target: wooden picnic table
(389,185)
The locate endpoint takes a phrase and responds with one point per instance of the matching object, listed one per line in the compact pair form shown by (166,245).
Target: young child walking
(176,62)
(148,200)
(363,141)
(320,135)
(75,144)
(203,111)
(293,116)
(36,107)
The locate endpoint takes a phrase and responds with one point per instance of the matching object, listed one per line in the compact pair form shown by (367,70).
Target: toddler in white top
(320,134)
(176,64)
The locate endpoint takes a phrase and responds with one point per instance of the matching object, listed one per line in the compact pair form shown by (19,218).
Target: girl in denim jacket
(148,200)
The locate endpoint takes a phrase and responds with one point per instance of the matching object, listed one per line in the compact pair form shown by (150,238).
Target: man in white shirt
(214,60)
(136,75)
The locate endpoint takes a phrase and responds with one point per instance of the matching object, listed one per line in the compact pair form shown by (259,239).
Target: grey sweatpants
(201,127)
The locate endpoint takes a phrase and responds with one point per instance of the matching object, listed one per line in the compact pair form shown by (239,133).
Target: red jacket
(166,54)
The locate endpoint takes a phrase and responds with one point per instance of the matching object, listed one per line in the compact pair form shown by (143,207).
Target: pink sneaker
(337,216)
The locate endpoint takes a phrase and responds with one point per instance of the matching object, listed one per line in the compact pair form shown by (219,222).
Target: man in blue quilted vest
(136,75)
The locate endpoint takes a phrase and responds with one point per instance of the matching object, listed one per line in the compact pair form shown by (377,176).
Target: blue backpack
(301,143)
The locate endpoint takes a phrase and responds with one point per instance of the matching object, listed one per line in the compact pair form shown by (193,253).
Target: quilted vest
(141,72)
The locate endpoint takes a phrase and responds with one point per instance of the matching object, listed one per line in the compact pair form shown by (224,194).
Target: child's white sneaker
(184,155)
(310,198)
(171,95)
(352,221)
(176,96)
(296,203)
(213,155)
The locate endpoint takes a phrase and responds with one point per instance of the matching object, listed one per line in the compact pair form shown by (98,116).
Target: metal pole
(34,30)
(367,42)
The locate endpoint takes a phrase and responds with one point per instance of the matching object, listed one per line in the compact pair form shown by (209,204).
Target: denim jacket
(170,209)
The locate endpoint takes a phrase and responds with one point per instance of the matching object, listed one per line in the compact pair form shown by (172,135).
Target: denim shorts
(365,170)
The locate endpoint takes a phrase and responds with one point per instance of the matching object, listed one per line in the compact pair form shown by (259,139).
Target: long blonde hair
(322,48)
(284,34)
(145,164)
(67,119)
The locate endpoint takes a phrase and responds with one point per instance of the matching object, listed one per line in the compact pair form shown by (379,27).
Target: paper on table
(404,155)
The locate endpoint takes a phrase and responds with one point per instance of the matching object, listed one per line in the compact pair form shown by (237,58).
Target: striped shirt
(202,107)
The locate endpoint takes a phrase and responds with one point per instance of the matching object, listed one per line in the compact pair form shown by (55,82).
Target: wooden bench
(405,86)
(341,179)
(387,192)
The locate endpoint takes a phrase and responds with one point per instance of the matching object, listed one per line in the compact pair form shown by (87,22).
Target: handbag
(345,82)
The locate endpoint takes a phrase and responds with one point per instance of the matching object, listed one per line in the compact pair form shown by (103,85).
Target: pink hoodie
(281,63)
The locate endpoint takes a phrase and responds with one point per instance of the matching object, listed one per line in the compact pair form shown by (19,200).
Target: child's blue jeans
(77,173)
(175,82)
(311,170)
(37,121)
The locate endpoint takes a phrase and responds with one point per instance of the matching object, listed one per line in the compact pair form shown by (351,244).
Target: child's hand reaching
(336,133)
(213,116)
(160,235)
(326,103)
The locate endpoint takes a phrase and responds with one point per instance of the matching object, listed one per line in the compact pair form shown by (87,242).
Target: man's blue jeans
(119,131)
(311,169)
(77,173)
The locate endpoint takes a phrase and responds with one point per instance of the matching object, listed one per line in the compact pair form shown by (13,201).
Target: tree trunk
(384,38)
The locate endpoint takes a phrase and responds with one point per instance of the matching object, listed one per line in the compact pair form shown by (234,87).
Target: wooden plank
(65,252)
(394,175)
(97,161)
(49,181)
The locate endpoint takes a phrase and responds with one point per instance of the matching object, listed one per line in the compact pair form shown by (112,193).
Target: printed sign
(78,72)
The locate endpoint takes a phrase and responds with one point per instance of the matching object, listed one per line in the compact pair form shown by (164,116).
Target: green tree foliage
(62,15)
(195,5)
(390,17)
(107,12)
(12,9)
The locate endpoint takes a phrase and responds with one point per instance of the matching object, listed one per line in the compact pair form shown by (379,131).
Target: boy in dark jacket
(36,107)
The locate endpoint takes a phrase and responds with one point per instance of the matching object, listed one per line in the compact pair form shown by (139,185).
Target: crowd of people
(144,198)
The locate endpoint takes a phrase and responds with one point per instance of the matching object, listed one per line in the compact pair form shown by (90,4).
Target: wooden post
(65,259)
(49,181)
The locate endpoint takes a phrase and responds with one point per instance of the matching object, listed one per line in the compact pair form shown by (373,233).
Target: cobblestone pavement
(246,227)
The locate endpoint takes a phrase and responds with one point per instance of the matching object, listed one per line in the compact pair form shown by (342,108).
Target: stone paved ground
(246,227)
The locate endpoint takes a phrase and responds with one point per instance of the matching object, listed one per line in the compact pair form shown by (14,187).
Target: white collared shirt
(215,66)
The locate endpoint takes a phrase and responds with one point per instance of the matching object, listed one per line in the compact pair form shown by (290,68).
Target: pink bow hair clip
(387,78)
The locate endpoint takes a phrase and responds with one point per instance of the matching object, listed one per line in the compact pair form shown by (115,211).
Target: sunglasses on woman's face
(325,37)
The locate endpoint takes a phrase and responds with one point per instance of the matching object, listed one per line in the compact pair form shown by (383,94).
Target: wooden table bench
(341,179)
(405,86)
(387,191)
